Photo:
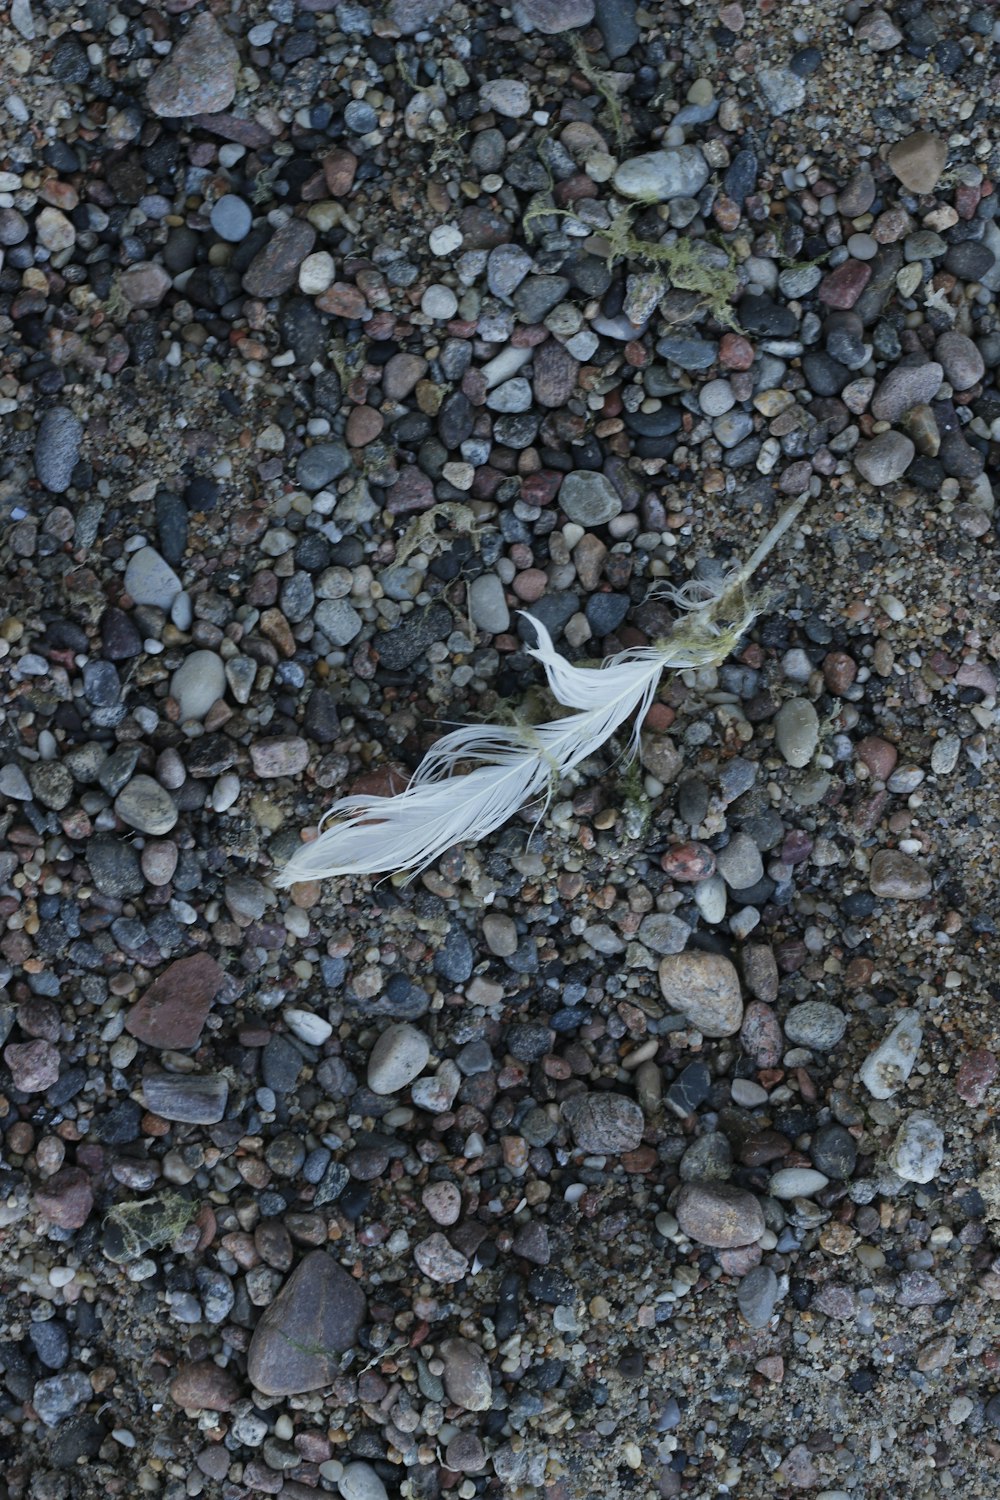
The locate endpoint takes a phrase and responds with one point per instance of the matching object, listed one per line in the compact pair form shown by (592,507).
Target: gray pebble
(796,731)
(57,448)
(756,1295)
(589,498)
(231,218)
(816,1024)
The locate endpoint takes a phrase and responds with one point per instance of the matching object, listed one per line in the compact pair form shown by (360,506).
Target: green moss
(421,535)
(606,84)
(690,265)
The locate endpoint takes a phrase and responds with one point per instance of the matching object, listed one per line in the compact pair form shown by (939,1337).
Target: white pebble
(307,1026)
(439,302)
(316,273)
(445,239)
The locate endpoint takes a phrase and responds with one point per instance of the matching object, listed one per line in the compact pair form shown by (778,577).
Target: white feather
(512,766)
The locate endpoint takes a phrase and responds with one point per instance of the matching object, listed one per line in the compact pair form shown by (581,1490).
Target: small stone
(705,988)
(718,1215)
(400,1054)
(918,160)
(202,1385)
(186,1097)
(443,1202)
(465,1454)
(963,364)
(198,683)
(885,1071)
(438,1259)
(834,1152)
(285,756)
(918,1150)
(739,863)
(173,1010)
(905,387)
(659,176)
(400,375)
(57,448)
(843,286)
(66,1198)
(314,1319)
(360,1482)
(57,1397)
(439,302)
(885,459)
(488,604)
(145,284)
(796,731)
(466,1375)
(509,97)
(199,76)
(816,1024)
(589,498)
(231,218)
(797,1182)
(976,1074)
(274,269)
(55,232)
(782,89)
(553,17)
(150,580)
(147,806)
(756,1295)
(604,1123)
(898,876)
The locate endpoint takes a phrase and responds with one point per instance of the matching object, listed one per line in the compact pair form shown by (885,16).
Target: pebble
(796,1182)
(314,1319)
(898,876)
(917,1152)
(151,580)
(756,1296)
(816,1024)
(232,218)
(552,17)
(466,1375)
(783,90)
(885,1071)
(274,269)
(198,683)
(961,360)
(147,806)
(400,1054)
(603,1123)
(57,1397)
(359,1481)
(905,387)
(202,1385)
(285,756)
(719,1215)
(57,448)
(188,1098)
(885,459)
(796,731)
(705,988)
(34,1066)
(488,604)
(199,76)
(509,97)
(739,863)
(918,161)
(589,498)
(659,176)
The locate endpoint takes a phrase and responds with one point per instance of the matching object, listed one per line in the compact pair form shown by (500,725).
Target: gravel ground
(651,1151)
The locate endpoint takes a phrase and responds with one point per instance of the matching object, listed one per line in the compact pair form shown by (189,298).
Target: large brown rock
(173,1010)
(705,988)
(715,1214)
(316,1316)
(199,76)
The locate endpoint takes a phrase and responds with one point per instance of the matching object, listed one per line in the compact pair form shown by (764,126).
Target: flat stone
(466,1375)
(199,76)
(918,1150)
(898,876)
(147,806)
(719,1215)
(188,1098)
(202,1385)
(604,1123)
(338,620)
(918,160)
(554,374)
(275,269)
(659,176)
(66,1198)
(705,988)
(151,580)
(34,1066)
(231,218)
(57,1397)
(740,863)
(509,97)
(905,387)
(173,1010)
(796,731)
(399,1055)
(57,448)
(287,755)
(198,683)
(314,1319)
(885,1071)
(756,1295)
(589,498)
(782,89)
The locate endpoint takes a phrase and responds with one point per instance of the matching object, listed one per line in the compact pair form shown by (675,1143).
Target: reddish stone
(761,1034)
(173,1011)
(66,1198)
(688,862)
(839,671)
(976,1073)
(342,300)
(842,287)
(202,1386)
(34,1066)
(541,488)
(735,352)
(363,426)
(412,491)
(339,168)
(878,755)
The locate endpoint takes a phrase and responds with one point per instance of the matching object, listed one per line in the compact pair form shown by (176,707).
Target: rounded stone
(466,1375)
(589,498)
(146,806)
(756,1296)
(918,1150)
(796,731)
(658,176)
(397,1058)
(797,1182)
(719,1215)
(816,1024)
(231,218)
(885,459)
(604,1123)
(198,683)
(360,1482)
(898,876)
(150,580)
(57,448)
(705,988)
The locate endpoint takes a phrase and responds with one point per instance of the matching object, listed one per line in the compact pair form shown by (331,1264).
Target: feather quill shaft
(512,766)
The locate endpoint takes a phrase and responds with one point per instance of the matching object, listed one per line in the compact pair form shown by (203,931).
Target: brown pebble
(878,755)
(201,1385)
(839,671)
